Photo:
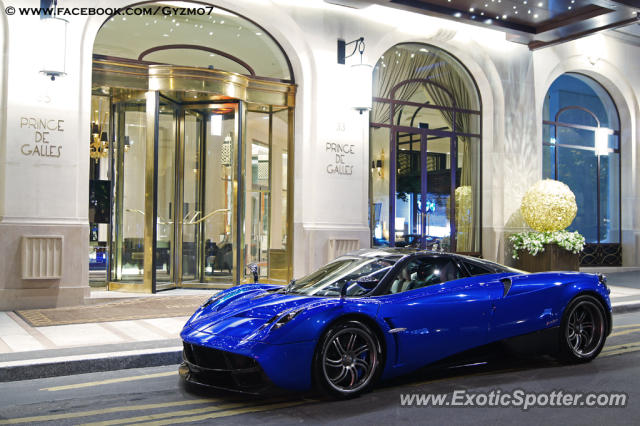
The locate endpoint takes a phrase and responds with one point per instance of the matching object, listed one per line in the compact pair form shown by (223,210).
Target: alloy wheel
(585,329)
(349,360)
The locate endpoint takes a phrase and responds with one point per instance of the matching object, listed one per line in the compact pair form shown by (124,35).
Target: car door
(523,306)
(434,310)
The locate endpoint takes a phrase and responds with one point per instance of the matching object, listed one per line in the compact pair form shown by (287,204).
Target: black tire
(583,330)
(348,360)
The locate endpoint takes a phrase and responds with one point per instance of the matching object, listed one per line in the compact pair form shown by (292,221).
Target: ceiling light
(258,34)
(540,4)
(457,14)
(471,9)
(504,16)
(535,16)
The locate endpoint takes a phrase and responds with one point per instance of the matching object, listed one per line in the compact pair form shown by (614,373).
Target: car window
(475,269)
(481,266)
(328,280)
(423,272)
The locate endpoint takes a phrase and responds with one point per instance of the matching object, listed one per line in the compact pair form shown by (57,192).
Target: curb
(623,308)
(79,364)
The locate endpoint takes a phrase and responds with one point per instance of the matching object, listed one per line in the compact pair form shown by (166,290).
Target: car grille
(222,369)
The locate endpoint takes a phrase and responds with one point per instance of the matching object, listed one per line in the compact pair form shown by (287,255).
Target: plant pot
(553,258)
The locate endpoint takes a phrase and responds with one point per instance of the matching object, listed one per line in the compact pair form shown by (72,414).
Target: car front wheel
(347,360)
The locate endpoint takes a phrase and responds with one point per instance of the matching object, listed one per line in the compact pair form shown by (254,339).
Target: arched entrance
(192,139)
(425,151)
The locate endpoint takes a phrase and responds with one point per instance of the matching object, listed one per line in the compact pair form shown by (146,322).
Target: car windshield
(328,280)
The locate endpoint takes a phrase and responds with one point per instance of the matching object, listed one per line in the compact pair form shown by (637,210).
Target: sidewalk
(28,351)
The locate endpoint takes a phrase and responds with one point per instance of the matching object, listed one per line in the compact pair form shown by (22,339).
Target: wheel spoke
(362,364)
(352,342)
(333,362)
(576,345)
(341,376)
(354,376)
(338,346)
(362,349)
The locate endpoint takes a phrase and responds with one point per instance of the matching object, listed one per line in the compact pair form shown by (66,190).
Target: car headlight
(282,318)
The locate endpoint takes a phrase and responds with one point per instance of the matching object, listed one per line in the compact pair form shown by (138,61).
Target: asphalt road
(154,395)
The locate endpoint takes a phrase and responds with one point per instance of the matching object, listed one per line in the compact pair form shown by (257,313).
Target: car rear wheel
(347,361)
(583,330)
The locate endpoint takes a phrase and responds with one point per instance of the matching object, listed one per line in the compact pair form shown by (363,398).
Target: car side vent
(506,282)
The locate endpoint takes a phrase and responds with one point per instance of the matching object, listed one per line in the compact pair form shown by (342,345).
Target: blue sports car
(379,313)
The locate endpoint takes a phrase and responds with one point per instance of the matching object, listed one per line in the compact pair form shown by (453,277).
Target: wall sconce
(377,165)
(54,34)
(602,140)
(360,75)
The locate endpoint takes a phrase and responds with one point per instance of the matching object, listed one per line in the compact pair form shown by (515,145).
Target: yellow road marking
(165,415)
(622,351)
(624,345)
(226,413)
(625,326)
(109,381)
(622,333)
(50,417)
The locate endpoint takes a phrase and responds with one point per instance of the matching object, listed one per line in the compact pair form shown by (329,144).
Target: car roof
(396,252)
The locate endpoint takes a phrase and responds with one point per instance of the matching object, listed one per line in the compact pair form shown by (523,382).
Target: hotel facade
(169,144)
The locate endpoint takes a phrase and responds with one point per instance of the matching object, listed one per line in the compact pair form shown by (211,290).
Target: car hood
(246,315)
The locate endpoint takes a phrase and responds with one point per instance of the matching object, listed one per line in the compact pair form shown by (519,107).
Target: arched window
(581,147)
(425,151)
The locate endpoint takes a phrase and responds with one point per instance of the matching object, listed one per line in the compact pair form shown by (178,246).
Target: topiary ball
(549,206)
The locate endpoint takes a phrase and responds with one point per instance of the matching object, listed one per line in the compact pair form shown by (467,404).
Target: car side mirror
(254,270)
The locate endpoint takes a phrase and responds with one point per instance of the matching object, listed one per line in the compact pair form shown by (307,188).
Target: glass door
(422,188)
(208,141)
(219,193)
(128,157)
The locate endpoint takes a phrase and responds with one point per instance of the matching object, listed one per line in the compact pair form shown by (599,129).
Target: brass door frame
(127,81)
